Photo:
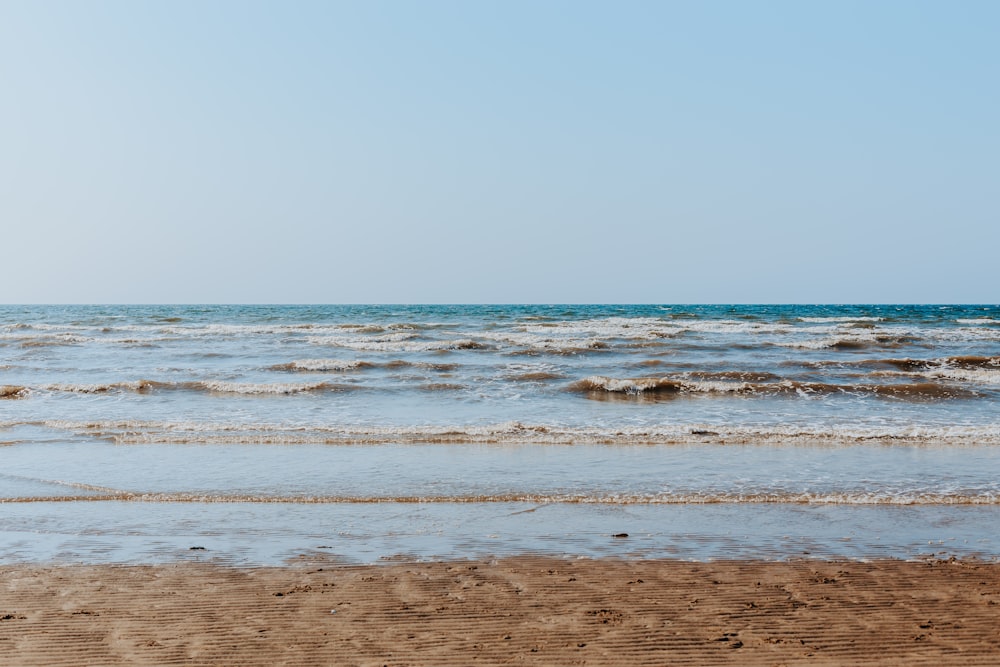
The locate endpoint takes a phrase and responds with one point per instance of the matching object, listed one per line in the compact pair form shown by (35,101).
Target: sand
(525,610)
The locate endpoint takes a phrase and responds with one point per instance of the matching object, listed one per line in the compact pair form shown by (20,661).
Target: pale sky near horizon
(497,152)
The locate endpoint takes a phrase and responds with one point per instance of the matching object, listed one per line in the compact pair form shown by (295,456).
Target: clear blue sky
(509,151)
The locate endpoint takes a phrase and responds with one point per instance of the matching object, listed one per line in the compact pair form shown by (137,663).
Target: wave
(743,376)
(61,330)
(10,391)
(415,326)
(973,361)
(211,386)
(176,326)
(856,341)
(138,386)
(529,329)
(930,384)
(227,330)
(537,376)
(558,338)
(134,342)
(704,498)
(906,363)
(975,376)
(558,351)
(970,362)
(363,328)
(627,328)
(823,320)
(518,433)
(251,388)
(441,386)
(854,332)
(29,341)
(53,341)
(600,386)
(440,368)
(981,370)
(309,365)
(397,343)
(531,342)
(628,385)
(916,390)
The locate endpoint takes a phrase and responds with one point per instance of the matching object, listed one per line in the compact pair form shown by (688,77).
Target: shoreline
(520,610)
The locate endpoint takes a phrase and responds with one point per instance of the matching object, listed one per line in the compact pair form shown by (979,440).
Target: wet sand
(523,610)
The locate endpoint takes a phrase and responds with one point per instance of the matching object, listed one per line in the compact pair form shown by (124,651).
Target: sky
(499,152)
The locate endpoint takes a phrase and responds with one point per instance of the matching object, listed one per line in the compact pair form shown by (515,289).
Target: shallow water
(451,431)
(271,534)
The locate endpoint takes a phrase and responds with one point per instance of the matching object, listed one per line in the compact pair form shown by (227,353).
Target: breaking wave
(859,341)
(310,365)
(12,391)
(979,320)
(160,432)
(397,343)
(276,388)
(981,370)
(840,319)
(595,386)
(139,386)
(211,386)
(966,362)
(52,340)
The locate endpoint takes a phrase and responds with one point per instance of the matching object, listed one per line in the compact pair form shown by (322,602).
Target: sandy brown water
(522,610)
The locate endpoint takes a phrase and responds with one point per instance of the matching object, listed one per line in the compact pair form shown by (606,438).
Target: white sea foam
(239,330)
(651,328)
(547,343)
(263,388)
(42,326)
(101,387)
(514,432)
(633,386)
(975,370)
(845,339)
(821,320)
(985,376)
(44,340)
(396,343)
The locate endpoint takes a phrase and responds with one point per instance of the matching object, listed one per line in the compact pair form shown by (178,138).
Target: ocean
(271,434)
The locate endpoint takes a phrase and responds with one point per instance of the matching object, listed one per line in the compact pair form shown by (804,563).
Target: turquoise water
(448,431)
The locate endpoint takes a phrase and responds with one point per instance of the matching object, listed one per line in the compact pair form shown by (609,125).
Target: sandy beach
(523,610)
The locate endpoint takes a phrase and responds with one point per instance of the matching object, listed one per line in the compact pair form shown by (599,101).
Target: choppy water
(475,421)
